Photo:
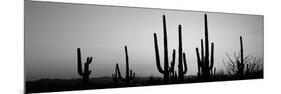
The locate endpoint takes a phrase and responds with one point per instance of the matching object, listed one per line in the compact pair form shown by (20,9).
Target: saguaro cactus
(182,65)
(86,72)
(129,73)
(240,64)
(166,69)
(205,63)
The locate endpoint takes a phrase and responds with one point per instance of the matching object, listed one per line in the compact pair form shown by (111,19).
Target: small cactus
(85,74)
(129,73)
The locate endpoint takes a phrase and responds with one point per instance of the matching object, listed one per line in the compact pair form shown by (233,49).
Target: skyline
(53,31)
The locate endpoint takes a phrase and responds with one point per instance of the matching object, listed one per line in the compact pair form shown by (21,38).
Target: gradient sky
(53,32)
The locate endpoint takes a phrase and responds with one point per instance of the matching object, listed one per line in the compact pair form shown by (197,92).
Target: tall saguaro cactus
(182,65)
(205,63)
(85,74)
(166,69)
(240,64)
(129,73)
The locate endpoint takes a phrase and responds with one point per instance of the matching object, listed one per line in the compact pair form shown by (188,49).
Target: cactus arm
(89,60)
(198,58)
(79,62)
(86,66)
(202,51)
(212,56)
(185,65)
(157,55)
(201,65)
(199,62)
(202,55)
(119,73)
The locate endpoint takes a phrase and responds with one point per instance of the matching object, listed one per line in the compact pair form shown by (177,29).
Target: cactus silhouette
(205,63)
(243,66)
(240,64)
(166,69)
(182,67)
(86,72)
(129,73)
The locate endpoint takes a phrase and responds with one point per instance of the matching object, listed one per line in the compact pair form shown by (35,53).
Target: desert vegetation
(130,75)
(239,67)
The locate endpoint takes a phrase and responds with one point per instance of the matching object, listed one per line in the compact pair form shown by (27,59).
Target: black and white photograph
(72,46)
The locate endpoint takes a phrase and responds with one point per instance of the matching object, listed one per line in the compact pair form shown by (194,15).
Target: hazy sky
(53,32)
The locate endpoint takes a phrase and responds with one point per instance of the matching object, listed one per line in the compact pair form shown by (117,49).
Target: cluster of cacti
(205,60)
(86,72)
(168,71)
(205,63)
(129,73)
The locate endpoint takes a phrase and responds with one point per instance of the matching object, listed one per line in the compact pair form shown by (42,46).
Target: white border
(11,68)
